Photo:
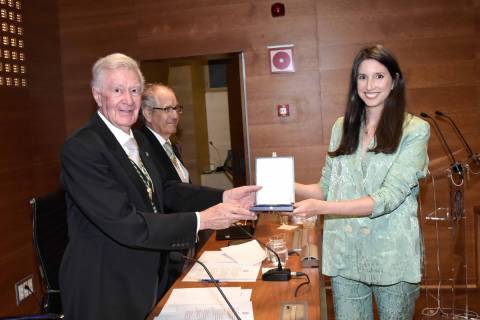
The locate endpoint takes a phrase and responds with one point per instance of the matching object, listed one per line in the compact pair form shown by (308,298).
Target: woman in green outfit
(368,193)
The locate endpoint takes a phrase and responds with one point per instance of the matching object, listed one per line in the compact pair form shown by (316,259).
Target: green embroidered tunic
(385,247)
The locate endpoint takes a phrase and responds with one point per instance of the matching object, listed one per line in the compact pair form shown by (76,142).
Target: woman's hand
(309,208)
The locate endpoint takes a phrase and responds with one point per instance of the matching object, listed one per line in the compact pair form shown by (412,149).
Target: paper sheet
(287,227)
(232,272)
(206,312)
(222,268)
(208,295)
(215,257)
(207,304)
(248,253)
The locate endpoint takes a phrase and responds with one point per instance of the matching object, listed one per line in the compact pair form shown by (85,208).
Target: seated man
(119,236)
(161,115)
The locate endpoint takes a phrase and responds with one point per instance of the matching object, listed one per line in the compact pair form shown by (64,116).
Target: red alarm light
(278,9)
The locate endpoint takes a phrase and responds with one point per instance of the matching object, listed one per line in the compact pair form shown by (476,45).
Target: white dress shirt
(122,138)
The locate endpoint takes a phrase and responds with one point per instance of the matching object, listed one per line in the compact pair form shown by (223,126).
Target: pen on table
(209,280)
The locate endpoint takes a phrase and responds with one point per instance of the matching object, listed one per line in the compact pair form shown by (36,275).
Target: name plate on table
(276,175)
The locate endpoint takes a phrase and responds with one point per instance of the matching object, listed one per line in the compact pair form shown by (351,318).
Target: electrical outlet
(21,291)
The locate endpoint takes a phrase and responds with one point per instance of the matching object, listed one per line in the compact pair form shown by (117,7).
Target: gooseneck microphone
(460,135)
(456,193)
(455,166)
(178,257)
(278,274)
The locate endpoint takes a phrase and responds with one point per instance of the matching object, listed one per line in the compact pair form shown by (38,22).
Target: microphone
(278,274)
(178,257)
(455,166)
(456,195)
(462,138)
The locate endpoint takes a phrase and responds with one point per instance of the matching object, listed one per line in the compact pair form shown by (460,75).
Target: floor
(428,308)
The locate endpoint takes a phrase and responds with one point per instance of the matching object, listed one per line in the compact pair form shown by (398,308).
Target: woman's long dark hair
(389,130)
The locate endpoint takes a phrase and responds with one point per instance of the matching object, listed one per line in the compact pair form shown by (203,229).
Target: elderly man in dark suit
(161,114)
(119,236)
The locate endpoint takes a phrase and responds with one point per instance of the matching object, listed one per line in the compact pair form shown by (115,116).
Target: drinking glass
(278,244)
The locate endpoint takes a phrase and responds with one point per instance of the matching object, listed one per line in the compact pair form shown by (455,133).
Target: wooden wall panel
(33,129)
(90,30)
(16,249)
(46,113)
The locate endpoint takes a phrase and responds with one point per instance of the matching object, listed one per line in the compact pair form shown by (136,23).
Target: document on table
(248,253)
(208,295)
(223,268)
(207,304)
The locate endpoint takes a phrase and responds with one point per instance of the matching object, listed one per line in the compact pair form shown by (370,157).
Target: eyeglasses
(169,109)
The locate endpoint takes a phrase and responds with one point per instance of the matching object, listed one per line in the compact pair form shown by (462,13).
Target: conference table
(267,296)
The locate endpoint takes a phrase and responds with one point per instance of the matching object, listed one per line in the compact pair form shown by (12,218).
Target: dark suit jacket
(116,244)
(165,166)
(161,158)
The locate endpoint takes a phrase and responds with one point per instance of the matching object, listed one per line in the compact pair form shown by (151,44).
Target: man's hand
(242,196)
(223,215)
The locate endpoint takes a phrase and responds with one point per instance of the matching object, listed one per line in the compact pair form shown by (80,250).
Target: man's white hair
(112,62)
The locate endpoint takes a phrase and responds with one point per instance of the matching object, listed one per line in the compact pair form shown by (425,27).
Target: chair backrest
(50,239)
